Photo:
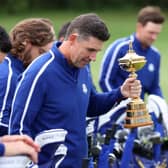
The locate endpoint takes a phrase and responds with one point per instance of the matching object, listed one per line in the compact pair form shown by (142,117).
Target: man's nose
(154,36)
(93,56)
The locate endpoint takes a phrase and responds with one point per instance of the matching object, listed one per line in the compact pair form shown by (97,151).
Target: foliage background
(119,16)
(13,6)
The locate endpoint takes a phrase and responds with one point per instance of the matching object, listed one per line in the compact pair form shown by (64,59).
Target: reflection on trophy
(137,113)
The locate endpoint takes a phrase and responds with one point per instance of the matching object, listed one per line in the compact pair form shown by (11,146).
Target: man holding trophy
(149,25)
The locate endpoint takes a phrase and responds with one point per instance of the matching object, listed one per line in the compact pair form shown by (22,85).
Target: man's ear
(139,26)
(72,37)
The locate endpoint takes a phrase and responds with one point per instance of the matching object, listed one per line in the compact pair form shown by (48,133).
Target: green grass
(119,23)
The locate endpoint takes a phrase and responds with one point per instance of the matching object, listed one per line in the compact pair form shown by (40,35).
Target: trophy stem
(133,75)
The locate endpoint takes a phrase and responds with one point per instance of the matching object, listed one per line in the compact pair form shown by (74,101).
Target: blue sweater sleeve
(26,104)
(2,149)
(100,103)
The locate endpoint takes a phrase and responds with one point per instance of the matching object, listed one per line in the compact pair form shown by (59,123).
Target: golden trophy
(136,114)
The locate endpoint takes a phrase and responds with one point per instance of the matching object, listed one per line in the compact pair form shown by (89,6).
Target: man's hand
(131,88)
(20,144)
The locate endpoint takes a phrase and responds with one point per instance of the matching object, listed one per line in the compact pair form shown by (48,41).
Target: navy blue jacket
(53,95)
(10,69)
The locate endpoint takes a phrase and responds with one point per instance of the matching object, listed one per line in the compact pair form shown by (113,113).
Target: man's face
(148,33)
(83,51)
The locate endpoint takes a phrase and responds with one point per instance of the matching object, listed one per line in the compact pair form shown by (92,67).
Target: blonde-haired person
(29,38)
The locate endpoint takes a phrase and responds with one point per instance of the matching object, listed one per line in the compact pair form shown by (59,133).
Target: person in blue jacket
(29,38)
(12,145)
(149,25)
(55,93)
(5,44)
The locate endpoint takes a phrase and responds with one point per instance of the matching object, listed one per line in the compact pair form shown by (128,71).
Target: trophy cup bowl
(131,62)
(137,114)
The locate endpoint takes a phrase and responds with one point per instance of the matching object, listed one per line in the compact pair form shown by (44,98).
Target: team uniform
(53,95)
(10,69)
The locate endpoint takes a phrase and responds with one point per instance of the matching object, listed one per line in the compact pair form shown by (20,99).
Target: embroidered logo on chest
(84,88)
(151,67)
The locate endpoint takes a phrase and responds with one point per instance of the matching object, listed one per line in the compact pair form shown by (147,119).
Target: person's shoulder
(7,59)
(119,43)
(118,46)
(5,62)
(11,59)
(45,58)
(42,60)
(39,65)
(4,68)
(155,51)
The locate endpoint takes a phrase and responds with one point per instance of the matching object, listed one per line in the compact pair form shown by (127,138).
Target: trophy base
(138,125)
(137,114)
